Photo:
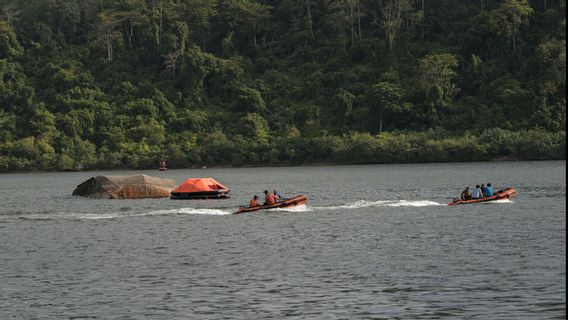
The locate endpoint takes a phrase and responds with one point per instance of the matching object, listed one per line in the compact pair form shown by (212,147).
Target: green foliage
(510,16)
(9,45)
(90,84)
(254,126)
(436,74)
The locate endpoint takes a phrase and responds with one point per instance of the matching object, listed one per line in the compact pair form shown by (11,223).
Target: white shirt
(477,193)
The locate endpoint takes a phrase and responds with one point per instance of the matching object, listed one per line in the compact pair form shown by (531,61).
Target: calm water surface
(374,242)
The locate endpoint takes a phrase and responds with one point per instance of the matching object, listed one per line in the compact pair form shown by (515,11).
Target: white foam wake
(205,211)
(300,208)
(500,201)
(200,211)
(112,215)
(383,203)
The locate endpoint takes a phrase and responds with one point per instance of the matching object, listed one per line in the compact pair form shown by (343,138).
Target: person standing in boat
(477,193)
(466,194)
(254,202)
(268,198)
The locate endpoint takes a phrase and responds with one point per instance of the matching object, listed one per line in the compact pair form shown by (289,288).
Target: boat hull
(199,195)
(499,195)
(296,201)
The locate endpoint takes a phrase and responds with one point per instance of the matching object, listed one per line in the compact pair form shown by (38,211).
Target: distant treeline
(352,148)
(88,84)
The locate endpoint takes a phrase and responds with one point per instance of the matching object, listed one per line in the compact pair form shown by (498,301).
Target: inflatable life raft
(499,195)
(200,189)
(296,201)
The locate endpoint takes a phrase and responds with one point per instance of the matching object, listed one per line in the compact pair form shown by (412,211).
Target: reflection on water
(372,242)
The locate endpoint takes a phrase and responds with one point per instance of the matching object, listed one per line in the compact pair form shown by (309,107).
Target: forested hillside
(122,83)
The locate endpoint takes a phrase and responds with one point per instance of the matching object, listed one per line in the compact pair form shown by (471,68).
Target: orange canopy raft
(200,188)
(501,194)
(296,201)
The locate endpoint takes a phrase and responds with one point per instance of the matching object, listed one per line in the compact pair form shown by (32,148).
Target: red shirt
(270,198)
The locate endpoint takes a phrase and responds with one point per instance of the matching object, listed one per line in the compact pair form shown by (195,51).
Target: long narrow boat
(296,201)
(499,195)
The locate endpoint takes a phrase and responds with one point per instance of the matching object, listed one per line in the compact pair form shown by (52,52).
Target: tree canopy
(120,84)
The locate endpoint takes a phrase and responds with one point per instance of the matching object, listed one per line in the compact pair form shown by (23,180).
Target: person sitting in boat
(466,194)
(268,198)
(277,196)
(489,190)
(254,202)
(477,193)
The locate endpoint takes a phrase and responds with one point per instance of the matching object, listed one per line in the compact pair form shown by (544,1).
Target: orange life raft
(296,201)
(502,194)
(200,188)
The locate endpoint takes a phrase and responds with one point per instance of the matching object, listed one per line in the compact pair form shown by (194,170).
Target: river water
(373,242)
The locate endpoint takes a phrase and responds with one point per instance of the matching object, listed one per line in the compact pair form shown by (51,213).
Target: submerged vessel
(126,187)
(499,195)
(200,189)
(292,202)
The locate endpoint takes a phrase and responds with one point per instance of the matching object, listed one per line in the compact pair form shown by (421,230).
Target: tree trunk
(254,34)
(129,32)
(359,20)
(352,22)
(109,46)
(423,20)
(309,12)
(159,31)
(381,120)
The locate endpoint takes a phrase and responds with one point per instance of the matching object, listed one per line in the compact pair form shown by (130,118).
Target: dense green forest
(88,84)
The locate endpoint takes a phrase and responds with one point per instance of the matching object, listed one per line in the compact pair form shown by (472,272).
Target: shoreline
(283,165)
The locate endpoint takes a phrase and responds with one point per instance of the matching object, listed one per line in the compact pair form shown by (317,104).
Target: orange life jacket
(253,203)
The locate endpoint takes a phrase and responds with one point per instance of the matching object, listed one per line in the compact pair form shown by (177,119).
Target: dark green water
(374,242)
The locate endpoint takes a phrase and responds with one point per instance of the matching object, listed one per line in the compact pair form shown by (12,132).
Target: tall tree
(393,12)
(436,73)
(509,17)
(201,14)
(107,32)
(352,11)
(388,96)
(10,12)
(247,15)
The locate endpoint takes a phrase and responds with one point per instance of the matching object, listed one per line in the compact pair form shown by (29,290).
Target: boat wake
(110,215)
(198,211)
(51,215)
(362,204)
(500,201)
(383,203)
(300,208)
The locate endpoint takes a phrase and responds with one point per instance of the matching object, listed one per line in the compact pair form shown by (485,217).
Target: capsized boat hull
(296,201)
(499,195)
